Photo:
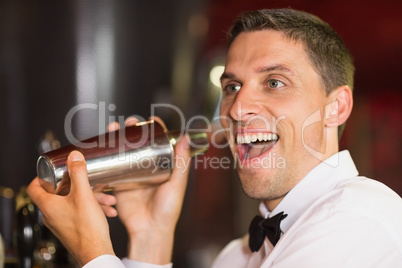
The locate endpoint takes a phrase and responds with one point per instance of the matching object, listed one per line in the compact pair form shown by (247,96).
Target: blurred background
(124,56)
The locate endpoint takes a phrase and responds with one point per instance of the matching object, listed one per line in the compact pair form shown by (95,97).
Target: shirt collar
(320,180)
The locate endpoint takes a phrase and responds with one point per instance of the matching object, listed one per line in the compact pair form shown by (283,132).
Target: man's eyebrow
(272,68)
(227,76)
(267,69)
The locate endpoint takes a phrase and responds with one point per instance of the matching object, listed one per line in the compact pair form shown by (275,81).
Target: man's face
(270,92)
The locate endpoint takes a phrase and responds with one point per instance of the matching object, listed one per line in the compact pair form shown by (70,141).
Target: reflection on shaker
(132,157)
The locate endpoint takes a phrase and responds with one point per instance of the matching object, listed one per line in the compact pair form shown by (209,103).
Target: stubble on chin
(264,189)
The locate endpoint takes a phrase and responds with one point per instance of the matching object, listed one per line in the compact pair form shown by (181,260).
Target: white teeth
(240,139)
(246,138)
(254,138)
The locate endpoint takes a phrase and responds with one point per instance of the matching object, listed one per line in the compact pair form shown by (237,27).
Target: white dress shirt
(111,261)
(335,219)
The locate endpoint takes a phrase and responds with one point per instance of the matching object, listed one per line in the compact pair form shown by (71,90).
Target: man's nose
(246,104)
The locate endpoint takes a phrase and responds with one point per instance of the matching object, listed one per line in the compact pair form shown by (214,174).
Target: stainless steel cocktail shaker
(132,157)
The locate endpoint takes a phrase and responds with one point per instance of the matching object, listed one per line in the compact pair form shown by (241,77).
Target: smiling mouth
(251,145)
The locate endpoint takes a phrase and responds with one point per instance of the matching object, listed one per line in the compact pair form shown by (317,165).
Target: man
(287,92)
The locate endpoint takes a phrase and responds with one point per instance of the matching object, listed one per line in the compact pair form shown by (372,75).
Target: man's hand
(150,214)
(76,219)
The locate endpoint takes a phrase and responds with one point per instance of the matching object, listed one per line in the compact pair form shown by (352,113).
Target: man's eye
(232,88)
(273,83)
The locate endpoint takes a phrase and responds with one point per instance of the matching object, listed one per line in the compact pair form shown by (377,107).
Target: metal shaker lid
(45,171)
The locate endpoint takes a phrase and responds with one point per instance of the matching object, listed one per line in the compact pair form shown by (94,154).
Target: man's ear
(339,107)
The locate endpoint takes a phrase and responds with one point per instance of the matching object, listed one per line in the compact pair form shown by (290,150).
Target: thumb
(182,162)
(77,170)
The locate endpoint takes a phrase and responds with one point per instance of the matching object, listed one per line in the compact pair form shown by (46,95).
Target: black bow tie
(260,227)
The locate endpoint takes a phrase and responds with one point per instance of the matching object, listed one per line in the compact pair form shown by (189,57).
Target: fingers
(159,120)
(77,171)
(110,212)
(99,188)
(131,121)
(105,199)
(113,126)
(37,194)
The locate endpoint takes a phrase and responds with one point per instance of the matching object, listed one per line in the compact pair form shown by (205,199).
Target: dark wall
(38,69)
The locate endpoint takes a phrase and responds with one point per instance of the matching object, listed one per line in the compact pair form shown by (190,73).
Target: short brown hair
(325,48)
